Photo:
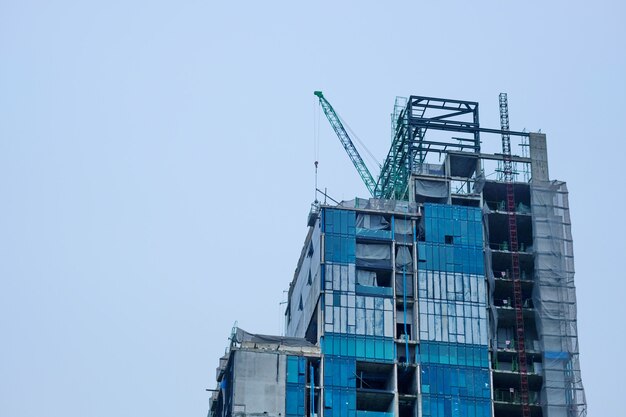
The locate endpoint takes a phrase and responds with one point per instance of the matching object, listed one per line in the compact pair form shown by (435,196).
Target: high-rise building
(448,293)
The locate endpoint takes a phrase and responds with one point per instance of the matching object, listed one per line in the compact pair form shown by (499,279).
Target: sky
(156,171)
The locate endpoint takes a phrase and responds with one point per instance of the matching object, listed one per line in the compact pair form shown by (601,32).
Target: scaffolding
(554,296)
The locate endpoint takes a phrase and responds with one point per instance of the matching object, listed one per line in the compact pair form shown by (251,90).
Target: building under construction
(449,291)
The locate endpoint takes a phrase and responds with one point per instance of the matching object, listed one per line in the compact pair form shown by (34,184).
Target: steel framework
(412,119)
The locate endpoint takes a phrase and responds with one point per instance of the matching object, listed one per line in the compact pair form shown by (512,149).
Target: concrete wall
(259,386)
(539,157)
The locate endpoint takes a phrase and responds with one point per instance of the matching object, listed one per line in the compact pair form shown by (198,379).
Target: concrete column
(539,157)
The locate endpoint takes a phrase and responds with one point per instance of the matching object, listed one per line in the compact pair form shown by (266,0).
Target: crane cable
(316,139)
(360,142)
(316,130)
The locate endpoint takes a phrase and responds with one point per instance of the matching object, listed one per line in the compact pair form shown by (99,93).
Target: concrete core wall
(539,157)
(259,388)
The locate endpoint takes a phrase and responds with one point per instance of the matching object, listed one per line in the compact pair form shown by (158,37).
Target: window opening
(374,387)
(407,408)
(312,400)
(402,330)
(380,278)
(407,383)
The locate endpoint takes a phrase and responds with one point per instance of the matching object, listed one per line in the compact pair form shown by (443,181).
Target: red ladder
(519,302)
(517,284)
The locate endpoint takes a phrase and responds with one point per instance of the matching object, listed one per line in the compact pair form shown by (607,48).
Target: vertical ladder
(514,247)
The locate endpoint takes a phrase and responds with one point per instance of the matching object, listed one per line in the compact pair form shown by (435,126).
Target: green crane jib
(393,182)
(356,159)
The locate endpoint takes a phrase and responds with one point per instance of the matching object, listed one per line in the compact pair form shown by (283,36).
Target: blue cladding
(294,405)
(376,291)
(455,370)
(453,307)
(373,414)
(463,224)
(440,406)
(340,386)
(453,225)
(339,402)
(374,234)
(339,222)
(451,291)
(451,258)
(379,349)
(339,249)
(455,391)
(453,239)
(340,231)
(456,381)
(339,372)
(296,370)
(454,354)
(296,386)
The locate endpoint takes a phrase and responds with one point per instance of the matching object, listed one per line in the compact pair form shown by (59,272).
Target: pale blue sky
(156,170)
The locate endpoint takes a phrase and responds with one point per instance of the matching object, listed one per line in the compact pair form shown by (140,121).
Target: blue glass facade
(358,316)
(452,299)
(340,230)
(440,329)
(296,386)
(339,386)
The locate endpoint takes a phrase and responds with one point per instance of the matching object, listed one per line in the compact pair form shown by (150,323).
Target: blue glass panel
(351,347)
(337,345)
(390,350)
(463,235)
(292,397)
(456,230)
(374,234)
(369,290)
(292,369)
(370,349)
(447,407)
(421,251)
(429,235)
(360,348)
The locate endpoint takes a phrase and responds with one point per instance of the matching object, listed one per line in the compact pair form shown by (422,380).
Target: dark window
(400,330)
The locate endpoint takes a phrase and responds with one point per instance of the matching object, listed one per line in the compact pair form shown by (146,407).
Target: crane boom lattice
(347,143)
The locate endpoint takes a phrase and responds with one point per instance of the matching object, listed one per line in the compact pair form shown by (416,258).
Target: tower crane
(345,140)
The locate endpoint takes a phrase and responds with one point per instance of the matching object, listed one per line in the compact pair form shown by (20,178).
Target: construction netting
(554,297)
(397,206)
